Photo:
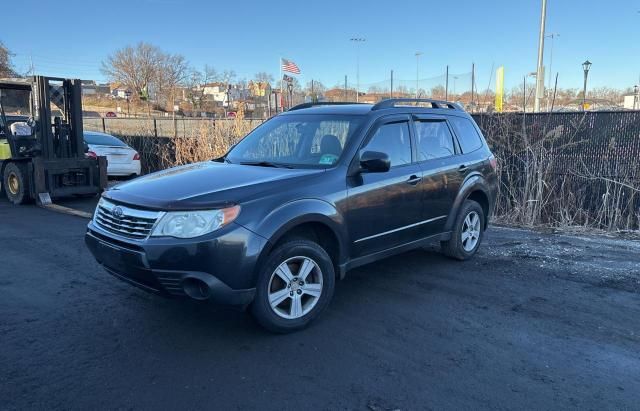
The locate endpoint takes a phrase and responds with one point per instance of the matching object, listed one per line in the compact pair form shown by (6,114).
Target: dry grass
(546,181)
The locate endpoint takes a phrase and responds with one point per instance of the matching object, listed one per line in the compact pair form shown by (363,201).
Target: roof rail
(392,102)
(321,103)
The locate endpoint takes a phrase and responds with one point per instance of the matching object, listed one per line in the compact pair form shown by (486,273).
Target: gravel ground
(537,321)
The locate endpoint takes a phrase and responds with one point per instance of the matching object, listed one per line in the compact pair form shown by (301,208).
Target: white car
(122,160)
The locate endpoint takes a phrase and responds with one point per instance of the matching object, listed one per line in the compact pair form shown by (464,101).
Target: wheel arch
(474,188)
(315,220)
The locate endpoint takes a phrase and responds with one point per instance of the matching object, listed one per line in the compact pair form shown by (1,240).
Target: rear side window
(434,140)
(467,134)
(392,139)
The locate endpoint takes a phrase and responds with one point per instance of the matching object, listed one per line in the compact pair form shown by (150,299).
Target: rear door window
(467,134)
(434,140)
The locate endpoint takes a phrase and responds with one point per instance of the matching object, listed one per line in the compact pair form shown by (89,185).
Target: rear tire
(468,231)
(288,296)
(15,181)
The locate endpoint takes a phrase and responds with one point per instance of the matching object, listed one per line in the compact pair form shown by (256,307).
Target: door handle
(463,168)
(413,180)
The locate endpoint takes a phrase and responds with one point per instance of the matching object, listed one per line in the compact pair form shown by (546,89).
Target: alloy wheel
(295,287)
(470,231)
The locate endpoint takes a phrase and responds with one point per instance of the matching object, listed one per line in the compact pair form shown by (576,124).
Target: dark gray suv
(297,203)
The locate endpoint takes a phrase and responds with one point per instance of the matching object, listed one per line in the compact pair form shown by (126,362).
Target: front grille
(125,221)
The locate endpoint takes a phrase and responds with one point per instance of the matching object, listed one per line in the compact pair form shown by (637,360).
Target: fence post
(155,128)
(104,127)
(175,128)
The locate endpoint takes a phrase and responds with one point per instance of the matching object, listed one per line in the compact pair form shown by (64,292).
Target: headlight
(189,224)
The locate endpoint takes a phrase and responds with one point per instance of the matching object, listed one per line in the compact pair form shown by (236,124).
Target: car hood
(204,185)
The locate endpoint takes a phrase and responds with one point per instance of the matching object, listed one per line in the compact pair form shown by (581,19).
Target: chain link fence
(567,169)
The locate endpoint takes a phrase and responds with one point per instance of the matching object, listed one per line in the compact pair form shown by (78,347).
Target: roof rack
(392,102)
(321,103)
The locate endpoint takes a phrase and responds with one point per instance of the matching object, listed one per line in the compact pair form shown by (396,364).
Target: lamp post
(586,66)
(418,54)
(358,41)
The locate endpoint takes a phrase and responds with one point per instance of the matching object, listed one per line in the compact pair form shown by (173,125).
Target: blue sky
(250,36)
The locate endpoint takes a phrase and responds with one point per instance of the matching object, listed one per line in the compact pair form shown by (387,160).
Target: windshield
(102,140)
(16,102)
(297,141)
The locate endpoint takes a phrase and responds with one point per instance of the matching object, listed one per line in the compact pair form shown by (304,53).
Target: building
(632,102)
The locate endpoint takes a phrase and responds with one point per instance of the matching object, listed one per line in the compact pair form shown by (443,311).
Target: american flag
(290,66)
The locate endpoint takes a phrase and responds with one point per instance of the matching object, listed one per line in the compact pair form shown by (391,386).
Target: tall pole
(346,96)
(418,54)
(446,85)
(473,81)
(391,96)
(552,36)
(584,90)
(281,88)
(540,68)
(358,41)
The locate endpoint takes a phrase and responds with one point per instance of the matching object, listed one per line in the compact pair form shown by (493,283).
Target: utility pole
(418,54)
(391,96)
(358,41)
(346,96)
(540,68)
(446,85)
(552,36)
(473,81)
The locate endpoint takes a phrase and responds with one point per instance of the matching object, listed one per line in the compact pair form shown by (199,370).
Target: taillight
(91,154)
(493,162)
(136,156)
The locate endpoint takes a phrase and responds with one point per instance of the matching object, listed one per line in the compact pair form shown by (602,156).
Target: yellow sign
(499,89)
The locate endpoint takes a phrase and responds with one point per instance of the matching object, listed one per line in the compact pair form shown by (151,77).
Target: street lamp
(418,54)
(358,41)
(586,66)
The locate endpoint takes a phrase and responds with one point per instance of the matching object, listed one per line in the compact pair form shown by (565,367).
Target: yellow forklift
(42,149)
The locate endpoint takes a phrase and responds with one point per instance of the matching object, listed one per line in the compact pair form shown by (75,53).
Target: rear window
(102,140)
(467,134)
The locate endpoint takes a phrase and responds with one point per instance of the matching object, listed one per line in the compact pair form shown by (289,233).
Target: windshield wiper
(265,164)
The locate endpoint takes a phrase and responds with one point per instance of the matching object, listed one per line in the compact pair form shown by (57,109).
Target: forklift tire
(16,183)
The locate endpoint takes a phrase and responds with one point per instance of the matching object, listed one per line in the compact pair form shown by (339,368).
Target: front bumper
(225,261)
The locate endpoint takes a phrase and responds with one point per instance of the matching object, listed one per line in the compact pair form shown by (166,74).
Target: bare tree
(134,67)
(196,82)
(145,67)
(263,77)
(6,66)
(172,71)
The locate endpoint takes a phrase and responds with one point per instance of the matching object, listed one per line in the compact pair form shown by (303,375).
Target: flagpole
(281,102)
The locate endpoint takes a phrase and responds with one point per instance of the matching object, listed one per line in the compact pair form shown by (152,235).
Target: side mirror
(375,161)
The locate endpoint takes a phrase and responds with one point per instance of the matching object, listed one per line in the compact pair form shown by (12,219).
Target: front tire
(15,182)
(294,286)
(468,231)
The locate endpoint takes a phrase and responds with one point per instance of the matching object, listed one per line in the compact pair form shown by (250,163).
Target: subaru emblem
(117,212)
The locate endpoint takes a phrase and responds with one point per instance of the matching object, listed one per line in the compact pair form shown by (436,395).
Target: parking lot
(534,320)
